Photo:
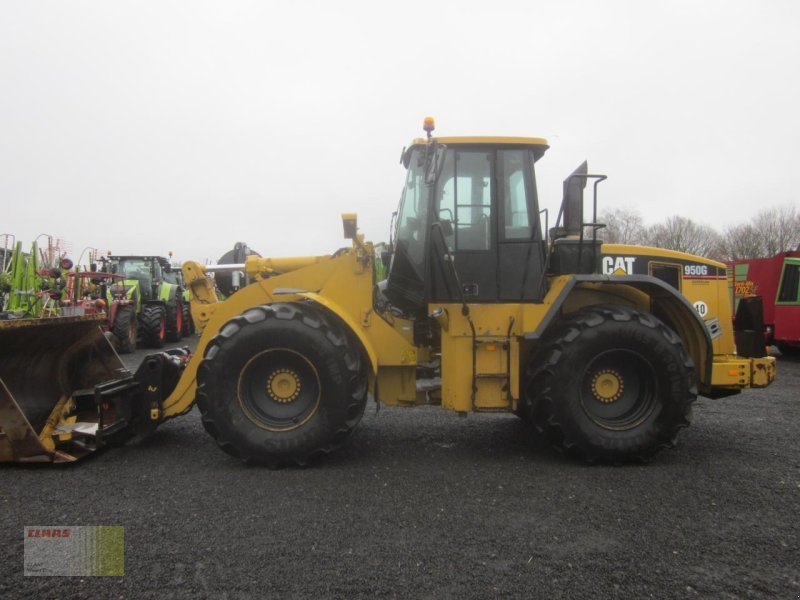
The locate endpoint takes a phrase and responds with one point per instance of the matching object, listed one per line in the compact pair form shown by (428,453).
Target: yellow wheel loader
(602,348)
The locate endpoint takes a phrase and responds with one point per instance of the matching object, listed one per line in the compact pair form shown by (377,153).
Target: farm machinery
(600,348)
(44,282)
(148,306)
(175,277)
(134,292)
(32,283)
(777,281)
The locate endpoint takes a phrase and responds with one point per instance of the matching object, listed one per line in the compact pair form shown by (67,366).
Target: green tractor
(175,276)
(145,305)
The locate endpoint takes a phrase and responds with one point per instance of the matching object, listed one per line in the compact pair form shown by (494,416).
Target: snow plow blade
(64,392)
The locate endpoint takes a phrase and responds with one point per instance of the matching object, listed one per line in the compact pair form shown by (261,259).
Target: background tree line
(773,230)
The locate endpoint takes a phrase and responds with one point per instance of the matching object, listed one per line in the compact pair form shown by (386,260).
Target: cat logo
(152,388)
(620,265)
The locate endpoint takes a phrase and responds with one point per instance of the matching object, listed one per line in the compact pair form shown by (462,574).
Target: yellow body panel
(492,390)
(491,322)
(736,372)
(490,376)
(714,292)
(706,285)
(397,386)
(499,329)
(342,284)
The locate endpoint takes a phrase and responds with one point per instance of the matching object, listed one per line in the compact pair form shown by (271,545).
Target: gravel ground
(423,503)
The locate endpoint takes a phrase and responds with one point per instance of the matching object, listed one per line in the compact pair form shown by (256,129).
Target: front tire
(611,384)
(281,384)
(124,328)
(153,325)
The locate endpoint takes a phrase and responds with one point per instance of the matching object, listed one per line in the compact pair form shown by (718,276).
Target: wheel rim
(279,389)
(619,389)
(178,318)
(162,330)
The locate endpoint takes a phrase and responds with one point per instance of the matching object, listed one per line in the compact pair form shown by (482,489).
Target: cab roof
(538,145)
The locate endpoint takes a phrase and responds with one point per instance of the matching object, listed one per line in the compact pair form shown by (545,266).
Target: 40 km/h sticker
(701,308)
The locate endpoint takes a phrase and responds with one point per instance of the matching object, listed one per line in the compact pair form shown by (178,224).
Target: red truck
(777,281)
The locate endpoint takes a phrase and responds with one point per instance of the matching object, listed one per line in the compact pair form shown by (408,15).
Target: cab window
(465,197)
(411,225)
(516,222)
(790,282)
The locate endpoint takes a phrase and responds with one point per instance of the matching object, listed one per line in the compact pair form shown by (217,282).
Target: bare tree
(683,234)
(623,226)
(773,230)
(778,229)
(740,242)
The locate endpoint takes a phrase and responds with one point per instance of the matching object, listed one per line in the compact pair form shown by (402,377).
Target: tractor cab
(468,224)
(147,270)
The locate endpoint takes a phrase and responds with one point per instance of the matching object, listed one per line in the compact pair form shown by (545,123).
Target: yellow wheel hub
(607,386)
(283,386)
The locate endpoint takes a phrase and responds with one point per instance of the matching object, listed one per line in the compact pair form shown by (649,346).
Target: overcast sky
(143,127)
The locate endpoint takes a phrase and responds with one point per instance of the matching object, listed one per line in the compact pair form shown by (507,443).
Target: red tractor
(777,281)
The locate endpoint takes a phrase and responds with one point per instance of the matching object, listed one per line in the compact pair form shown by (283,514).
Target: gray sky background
(143,127)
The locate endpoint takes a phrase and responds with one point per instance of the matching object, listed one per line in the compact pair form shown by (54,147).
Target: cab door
(465,204)
(520,250)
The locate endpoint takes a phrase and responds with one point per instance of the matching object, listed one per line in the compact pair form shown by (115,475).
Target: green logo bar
(76,551)
(741,270)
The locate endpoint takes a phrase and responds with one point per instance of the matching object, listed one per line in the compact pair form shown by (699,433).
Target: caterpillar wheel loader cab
(154,306)
(602,348)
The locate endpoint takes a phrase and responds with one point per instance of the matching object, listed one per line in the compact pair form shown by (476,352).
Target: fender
(351,324)
(167,291)
(681,316)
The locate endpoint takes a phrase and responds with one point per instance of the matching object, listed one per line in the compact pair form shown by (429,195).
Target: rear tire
(153,325)
(281,384)
(124,328)
(174,331)
(611,384)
